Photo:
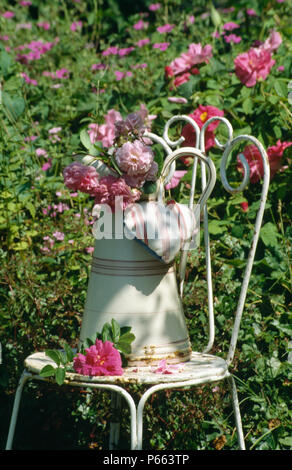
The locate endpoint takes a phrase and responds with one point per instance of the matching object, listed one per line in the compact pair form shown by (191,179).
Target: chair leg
(115,421)
(24,377)
(236,409)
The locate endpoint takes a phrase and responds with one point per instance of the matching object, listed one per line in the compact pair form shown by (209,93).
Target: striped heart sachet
(164,230)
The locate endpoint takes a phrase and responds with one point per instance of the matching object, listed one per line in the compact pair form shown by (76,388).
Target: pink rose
(244,206)
(181,79)
(177,176)
(272,42)
(100,359)
(115,192)
(200,116)
(196,54)
(169,72)
(134,158)
(81,177)
(105,133)
(254,160)
(253,65)
(178,66)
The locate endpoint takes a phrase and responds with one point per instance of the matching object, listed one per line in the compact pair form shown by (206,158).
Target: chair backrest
(174,150)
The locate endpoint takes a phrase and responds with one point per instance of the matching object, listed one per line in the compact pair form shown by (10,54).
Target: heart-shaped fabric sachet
(162,229)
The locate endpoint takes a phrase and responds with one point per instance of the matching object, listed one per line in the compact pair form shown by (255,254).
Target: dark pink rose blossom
(254,159)
(181,79)
(99,359)
(200,116)
(244,206)
(253,65)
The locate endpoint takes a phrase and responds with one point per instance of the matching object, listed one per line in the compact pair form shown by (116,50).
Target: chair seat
(201,367)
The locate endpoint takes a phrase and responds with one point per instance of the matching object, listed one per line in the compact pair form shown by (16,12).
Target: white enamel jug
(129,284)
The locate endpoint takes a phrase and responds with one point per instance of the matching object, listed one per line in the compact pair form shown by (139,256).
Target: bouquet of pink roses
(121,162)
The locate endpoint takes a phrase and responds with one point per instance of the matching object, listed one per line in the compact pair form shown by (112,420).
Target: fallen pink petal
(164,368)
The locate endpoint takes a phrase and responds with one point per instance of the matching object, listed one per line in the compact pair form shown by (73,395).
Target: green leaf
(116,331)
(149,187)
(19,246)
(124,347)
(47,371)
(5,62)
(88,342)
(60,375)
(127,337)
(69,352)
(247,105)
(85,139)
(273,99)
(125,329)
(54,355)
(269,234)
(13,105)
(31,208)
(281,88)
(106,333)
(216,227)
(215,17)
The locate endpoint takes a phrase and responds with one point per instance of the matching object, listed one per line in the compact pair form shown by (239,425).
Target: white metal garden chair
(203,367)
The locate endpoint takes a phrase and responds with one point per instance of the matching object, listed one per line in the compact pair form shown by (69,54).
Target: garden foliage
(64,66)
